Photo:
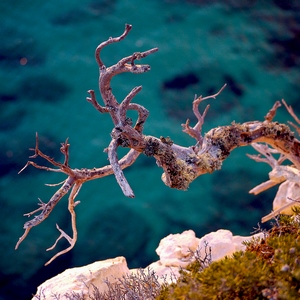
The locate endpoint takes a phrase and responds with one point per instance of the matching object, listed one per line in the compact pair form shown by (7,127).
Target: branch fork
(196,131)
(181,165)
(286,176)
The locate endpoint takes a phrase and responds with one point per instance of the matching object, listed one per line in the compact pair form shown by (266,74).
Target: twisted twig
(181,165)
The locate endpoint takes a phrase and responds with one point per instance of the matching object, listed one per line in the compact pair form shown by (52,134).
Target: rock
(175,250)
(222,243)
(285,196)
(82,280)
(164,274)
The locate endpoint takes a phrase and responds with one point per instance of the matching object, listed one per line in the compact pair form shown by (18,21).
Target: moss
(269,268)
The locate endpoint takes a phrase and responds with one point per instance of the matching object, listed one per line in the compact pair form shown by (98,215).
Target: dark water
(47,65)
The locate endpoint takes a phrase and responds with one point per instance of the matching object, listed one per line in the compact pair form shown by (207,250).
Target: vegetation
(141,285)
(268,269)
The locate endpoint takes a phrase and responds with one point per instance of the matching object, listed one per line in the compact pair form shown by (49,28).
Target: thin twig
(92,99)
(125,103)
(110,41)
(276,212)
(272,112)
(196,131)
(47,208)
(72,241)
(291,111)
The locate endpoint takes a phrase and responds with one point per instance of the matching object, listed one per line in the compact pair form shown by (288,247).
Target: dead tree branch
(196,131)
(287,176)
(181,165)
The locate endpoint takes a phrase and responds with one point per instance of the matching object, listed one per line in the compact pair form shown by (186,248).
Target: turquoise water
(47,65)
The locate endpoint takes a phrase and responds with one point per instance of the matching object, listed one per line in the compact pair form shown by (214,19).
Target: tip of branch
(23,168)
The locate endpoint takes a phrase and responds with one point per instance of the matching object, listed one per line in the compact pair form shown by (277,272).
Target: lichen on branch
(180,165)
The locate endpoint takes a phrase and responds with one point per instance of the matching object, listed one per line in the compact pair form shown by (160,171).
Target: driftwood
(181,165)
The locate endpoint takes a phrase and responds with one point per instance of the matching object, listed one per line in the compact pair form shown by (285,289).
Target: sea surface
(47,66)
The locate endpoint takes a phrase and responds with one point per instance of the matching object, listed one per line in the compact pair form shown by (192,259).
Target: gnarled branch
(181,165)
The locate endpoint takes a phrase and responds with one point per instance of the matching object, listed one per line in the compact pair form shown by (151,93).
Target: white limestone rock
(82,279)
(175,250)
(164,274)
(287,192)
(222,243)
